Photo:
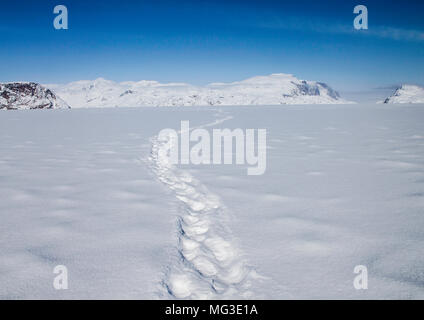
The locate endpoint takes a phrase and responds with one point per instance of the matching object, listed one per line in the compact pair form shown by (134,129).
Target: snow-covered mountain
(28,95)
(274,89)
(407,93)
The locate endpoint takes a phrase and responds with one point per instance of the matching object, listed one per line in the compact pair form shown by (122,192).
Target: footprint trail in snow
(208,266)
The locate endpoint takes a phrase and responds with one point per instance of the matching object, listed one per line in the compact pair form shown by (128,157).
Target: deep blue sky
(203,41)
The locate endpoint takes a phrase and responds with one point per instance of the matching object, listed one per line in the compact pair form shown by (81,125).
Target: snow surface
(407,94)
(274,89)
(90,190)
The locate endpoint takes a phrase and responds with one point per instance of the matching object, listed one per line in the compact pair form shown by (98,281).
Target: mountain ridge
(274,89)
(406,93)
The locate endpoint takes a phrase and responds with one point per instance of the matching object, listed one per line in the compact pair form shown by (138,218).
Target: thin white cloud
(386,32)
(397,34)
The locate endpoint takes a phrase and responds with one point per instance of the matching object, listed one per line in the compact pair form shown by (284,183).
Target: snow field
(89,189)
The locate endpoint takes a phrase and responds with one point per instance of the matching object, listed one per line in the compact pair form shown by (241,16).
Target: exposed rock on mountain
(407,94)
(28,95)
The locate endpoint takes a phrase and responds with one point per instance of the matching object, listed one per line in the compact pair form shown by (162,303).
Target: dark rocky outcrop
(28,95)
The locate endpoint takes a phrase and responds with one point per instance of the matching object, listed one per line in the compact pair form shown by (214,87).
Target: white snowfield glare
(92,191)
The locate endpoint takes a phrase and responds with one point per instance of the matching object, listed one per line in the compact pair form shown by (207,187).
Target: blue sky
(203,41)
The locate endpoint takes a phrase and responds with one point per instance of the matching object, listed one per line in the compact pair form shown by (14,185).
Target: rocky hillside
(28,95)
